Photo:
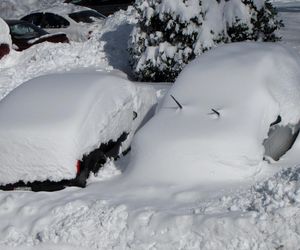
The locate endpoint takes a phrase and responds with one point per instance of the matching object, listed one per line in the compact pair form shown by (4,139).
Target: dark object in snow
(215,112)
(25,35)
(280,139)
(90,163)
(179,105)
(278,120)
(107,7)
(4,49)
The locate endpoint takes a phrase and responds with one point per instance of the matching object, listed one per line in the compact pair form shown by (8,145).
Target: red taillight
(78,165)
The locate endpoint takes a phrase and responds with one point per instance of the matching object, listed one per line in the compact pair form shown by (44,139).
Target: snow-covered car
(56,129)
(233,113)
(76,21)
(25,35)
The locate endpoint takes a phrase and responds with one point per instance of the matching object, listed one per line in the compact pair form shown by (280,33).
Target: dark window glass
(52,21)
(34,18)
(23,31)
(47,20)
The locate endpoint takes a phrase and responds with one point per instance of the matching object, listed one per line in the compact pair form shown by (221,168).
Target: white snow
(184,12)
(4,33)
(116,214)
(50,122)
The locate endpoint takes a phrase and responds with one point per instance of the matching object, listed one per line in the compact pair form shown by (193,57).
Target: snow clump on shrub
(170,33)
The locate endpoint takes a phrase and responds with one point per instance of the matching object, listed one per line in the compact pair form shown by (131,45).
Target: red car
(25,34)
(4,49)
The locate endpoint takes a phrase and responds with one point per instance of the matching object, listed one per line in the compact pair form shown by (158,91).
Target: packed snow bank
(49,123)
(265,216)
(230,97)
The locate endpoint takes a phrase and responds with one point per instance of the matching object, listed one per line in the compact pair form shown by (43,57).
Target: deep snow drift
(230,96)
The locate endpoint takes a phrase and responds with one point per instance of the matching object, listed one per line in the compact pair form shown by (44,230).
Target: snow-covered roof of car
(230,96)
(63,9)
(50,122)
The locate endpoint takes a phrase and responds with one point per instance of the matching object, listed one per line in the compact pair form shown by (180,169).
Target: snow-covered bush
(170,33)
(5,39)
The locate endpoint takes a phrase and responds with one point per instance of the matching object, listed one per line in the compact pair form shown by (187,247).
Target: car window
(51,21)
(86,16)
(47,20)
(34,18)
(23,31)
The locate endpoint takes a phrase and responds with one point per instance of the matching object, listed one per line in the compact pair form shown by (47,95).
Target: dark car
(25,34)
(106,7)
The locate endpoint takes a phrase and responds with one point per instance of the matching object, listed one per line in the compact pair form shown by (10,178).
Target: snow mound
(50,122)
(230,97)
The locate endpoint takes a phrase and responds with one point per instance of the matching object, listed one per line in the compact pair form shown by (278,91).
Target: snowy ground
(265,215)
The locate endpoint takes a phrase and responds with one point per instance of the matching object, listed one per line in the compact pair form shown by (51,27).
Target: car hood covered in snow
(230,96)
(50,122)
